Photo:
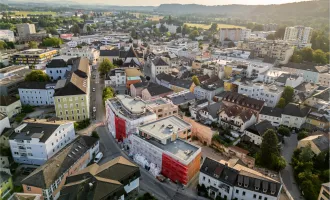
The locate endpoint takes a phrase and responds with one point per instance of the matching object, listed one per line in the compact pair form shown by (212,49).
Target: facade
(319,99)
(171,27)
(7,35)
(34,142)
(4,122)
(317,121)
(154,91)
(90,53)
(208,91)
(6,184)
(245,34)
(33,57)
(72,98)
(159,142)
(57,68)
(9,105)
(157,66)
(233,34)
(25,30)
(13,69)
(298,33)
(294,116)
(36,93)
(183,99)
(119,176)
(273,115)
(324,78)
(324,192)
(229,182)
(9,85)
(124,114)
(162,108)
(48,179)
(115,78)
(256,131)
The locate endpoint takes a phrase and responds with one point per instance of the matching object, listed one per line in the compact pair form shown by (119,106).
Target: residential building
(124,114)
(159,142)
(10,106)
(57,68)
(270,27)
(317,120)
(34,57)
(324,78)
(119,176)
(245,34)
(271,75)
(7,35)
(209,114)
(5,58)
(157,65)
(13,69)
(25,30)
(48,179)
(9,84)
(236,118)
(233,34)
(288,79)
(294,116)
(304,91)
(111,54)
(237,182)
(183,99)
(273,115)
(6,184)
(257,131)
(131,59)
(136,88)
(318,143)
(154,91)
(90,53)
(5,135)
(133,75)
(36,141)
(4,122)
(198,104)
(162,108)
(319,100)
(71,98)
(324,192)
(170,27)
(4,162)
(115,78)
(36,93)
(208,89)
(300,34)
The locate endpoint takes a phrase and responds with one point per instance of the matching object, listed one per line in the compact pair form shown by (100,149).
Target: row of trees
(310,55)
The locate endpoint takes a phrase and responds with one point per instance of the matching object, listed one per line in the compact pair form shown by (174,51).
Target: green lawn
(205,26)
(25,13)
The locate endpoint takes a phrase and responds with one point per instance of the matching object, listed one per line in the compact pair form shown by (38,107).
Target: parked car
(93,89)
(94,109)
(98,157)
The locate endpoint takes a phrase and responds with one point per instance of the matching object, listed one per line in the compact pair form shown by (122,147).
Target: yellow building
(317,121)
(6,184)
(318,143)
(33,56)
(72,100)
(324,192)
(228,70)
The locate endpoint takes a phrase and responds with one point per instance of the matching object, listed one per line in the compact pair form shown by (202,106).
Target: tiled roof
(260,128)
(155,89)
(113,52)
(242,100)
(33,85)
(294,110)
(275,112)
(158,61)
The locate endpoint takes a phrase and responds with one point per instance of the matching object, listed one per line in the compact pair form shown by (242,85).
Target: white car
(94,109)
(98,157)
(93,89)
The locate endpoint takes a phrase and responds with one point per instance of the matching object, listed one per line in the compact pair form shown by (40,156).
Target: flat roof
(34,51)
(165,127)
(11,79)
(156,102)
(135,105)
(12,68)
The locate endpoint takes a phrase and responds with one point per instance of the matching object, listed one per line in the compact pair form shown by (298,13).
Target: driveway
(287,174)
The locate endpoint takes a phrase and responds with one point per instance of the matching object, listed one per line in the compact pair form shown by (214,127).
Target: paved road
(110,149)
(287,173)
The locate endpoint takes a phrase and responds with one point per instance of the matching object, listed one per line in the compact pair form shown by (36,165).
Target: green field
(205,26)
(25,13)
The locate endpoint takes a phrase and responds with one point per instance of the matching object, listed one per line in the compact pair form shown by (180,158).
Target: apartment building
(10,105)
(71,98)
(34,57)
(160,142)
(233,34)
(209,88)
(115,78)
(48,179)
(10,80)
(58,67)
(273,115)
(13,69)
(300,34)
(294,116)
(25,30)
(162,108)
(36,141)
(125,113)
(90,53)
(7,35)
(154,91)
(156,65)
(256,131)
(324,192)
(4,122)
(237,182)
(319,100)
(119,176)
(36,93)
(171,27)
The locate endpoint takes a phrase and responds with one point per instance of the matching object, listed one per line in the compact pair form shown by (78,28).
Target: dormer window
(245,185)
(240,184)
(264,190)
(256,188)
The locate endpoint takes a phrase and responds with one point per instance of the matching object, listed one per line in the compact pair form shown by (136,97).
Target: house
(209,113)
(257,131)
(4,122)
(90,53)
(6,183)
(157,65)
(154,91)
(58,67)
(236,118)
(116,79)
(9,84)
(36,93)
(199,104)
(318,143)
(125,113)
(161,143)
(273,115)
(48,179)
(111,54)
(133,75)
(319,100)
(317,120)
(324,192)
(294,116)
(10,105)
(237,182)
(183,99)
(178,85)
(209,88)
(71,98)
(304,91)
(131,59)
(162,108)
(115,179)
(136,88)
(35,141)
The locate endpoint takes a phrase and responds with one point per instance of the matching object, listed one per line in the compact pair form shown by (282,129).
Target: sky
(204,2)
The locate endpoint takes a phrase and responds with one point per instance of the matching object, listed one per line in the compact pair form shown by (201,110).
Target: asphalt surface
(290,144)
(110,149)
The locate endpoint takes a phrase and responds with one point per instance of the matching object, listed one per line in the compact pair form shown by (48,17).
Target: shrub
(95,135)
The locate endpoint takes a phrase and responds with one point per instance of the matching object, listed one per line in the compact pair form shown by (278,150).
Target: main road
(110,149)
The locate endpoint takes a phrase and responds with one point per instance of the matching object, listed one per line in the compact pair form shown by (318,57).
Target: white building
(157,65)
(7,35)
(171,27)
(10,106)
(237,182)
(294,116)
(25,30)
(233,34)
(115,78)
(35,141)
(273,115)
(36,93)
(245,34)
(257,131)
(59,66)
(13,69)
(4,122)
(300,34)
(90,53)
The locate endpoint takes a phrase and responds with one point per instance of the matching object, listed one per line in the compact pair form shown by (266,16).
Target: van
(98,157)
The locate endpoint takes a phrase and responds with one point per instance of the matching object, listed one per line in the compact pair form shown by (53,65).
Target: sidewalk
(88,131)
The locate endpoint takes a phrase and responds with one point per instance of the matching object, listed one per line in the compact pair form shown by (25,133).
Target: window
(28,188)
(260,197)
(265,198)
(203,178)
(237,191)
(254,196)
(243,193)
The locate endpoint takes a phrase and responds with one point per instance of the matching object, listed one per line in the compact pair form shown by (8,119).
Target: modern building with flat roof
(162,107)
(34,57)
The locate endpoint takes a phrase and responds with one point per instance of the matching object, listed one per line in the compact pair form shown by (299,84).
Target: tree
(162,28)
(107,93)
(133,34)
(302,134)
(146,196)
(75,29)
(37,75)
(282,130)
(307,54)
(214,27)
(306,154)
(178,30)
(95,135)
(279,34)
(193,34)
(185,30)
(319,57)
(287,94)
(296,58)
(195,80)
(281,103)
(105,66)
(52,42)
(33,44)
(270,37)
(3,45)
(84,17)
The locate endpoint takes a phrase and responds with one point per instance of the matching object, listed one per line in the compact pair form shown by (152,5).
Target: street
(110,149)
